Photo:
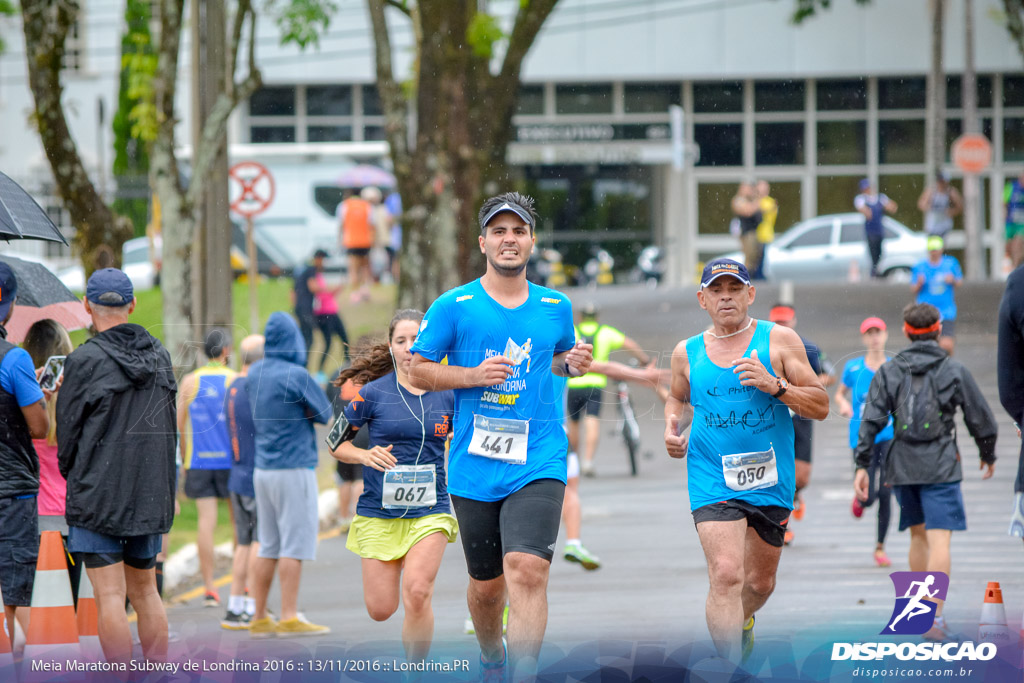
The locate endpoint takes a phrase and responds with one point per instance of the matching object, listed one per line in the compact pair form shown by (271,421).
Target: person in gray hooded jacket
(920,388)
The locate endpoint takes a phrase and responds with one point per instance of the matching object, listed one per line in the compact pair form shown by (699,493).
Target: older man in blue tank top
(736,383)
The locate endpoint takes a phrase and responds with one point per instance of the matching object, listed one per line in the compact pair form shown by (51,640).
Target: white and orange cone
(88,621)
(52,633)
(992,626)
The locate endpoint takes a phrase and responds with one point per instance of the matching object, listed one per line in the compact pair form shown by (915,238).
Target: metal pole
(974,262)
(250,248)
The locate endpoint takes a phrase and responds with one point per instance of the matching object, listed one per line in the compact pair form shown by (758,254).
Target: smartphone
(52,371)
(339,432)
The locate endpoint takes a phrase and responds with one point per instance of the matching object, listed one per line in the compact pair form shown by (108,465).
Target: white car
(824,248)
(135,262)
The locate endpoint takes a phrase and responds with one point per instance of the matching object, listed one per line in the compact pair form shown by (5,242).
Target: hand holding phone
(52,372)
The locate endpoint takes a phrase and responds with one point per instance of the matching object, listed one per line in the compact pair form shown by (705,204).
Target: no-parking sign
(252,189)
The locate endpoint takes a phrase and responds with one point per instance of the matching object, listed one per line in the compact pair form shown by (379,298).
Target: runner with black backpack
(920,388)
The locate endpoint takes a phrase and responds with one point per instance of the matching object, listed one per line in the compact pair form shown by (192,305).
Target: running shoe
(798,508)
(236,621)
(299,627)
(1017,519)
(495,672)
(211,599)
(587,469)
(579,554)
(747,643)
(856,507)
(263,628)
(788,538)
(470,629)
(881,559)
(939,632)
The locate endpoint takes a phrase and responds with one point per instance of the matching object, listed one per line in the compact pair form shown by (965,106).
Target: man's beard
(507,271)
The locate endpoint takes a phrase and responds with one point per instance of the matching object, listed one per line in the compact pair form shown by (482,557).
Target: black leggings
(878,490)
(330,325)
(875,250)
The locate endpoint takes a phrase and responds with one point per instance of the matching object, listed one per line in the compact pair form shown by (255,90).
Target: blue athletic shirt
(379,407)
(728,419)
(467,325)
(857,376)
(18,377)
(936,290)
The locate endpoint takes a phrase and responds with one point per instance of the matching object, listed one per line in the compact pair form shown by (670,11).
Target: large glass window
(842,95)
(836,193)
(719,97)
(272,101)
(779,144)
(371,101)
(904,189)
(329,100)
(779,96)
(955,126)
(1013,91)
(583,98)
(954,92)
(1013,139)
(374,133)
(650,98)
(531,100)
(787,194)
(329,133)
(721,144)
(901,93)
(714,210)
(842,142)
(901,142)
(272,134)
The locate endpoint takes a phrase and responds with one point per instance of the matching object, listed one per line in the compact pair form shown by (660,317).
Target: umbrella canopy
(365,175)
(41,295)
(21,218)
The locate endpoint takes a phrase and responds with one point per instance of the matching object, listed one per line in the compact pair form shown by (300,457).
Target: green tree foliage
(805,9)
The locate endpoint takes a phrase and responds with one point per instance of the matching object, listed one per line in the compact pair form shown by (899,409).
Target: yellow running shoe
(299,627)
(747,644)
(263,628)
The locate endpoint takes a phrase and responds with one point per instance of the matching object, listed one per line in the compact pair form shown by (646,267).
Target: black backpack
(919,412)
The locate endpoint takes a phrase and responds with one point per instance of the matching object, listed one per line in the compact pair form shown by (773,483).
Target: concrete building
(810,108)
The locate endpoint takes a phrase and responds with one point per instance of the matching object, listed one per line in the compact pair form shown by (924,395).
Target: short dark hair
(524,202)
(921,316)
(217,340)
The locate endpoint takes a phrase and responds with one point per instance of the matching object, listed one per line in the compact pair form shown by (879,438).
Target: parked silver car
(824,248)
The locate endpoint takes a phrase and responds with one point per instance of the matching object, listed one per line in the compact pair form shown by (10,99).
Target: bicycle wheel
(632,448)
(630,430)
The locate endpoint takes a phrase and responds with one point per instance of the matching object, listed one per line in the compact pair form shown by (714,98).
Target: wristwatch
(783,385)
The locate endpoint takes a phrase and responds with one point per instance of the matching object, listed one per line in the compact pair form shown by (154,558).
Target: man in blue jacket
(286,402)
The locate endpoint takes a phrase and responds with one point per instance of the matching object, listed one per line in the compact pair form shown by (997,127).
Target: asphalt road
(652,586)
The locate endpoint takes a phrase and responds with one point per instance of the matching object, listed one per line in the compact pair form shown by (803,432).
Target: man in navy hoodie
(286,402)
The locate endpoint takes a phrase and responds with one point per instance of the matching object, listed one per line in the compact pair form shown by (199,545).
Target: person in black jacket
(115,446)
(925,473)
(1010,364)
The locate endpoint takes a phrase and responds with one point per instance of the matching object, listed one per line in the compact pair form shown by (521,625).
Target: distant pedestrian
(115,446)
(934,280)
(23,417)
(1010,370)
(302,297)
(393,202)
(286,403)
(206,446)
(921,388)
(45,339)
(357,234)
(940,203)
(1013,202)
(747,216)
(874,207)
(766,228)
(242,433)
(325,314)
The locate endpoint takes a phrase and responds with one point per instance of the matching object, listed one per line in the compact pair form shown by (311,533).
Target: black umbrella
(41,295)
(21,218)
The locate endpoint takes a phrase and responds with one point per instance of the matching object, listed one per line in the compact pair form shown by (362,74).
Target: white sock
(236,603)
(250,606)
(573,542)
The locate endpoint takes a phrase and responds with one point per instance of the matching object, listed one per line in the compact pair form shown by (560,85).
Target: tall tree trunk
(973,255)
(100,232)
(935,136)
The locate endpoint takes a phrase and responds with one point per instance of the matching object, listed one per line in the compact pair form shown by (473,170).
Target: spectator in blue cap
(874,206)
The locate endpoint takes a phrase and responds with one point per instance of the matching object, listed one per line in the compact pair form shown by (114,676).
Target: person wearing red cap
(850,397)
(803,429)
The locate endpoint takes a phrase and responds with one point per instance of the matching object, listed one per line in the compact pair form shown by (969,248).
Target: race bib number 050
(410,486)
(750,471)
(500,439)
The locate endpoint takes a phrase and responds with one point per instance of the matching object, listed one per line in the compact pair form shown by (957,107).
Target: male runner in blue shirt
(504,339)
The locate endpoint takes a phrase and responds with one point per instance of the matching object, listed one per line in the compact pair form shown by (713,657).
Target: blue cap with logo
(8,289)
(723,266)
(111,282)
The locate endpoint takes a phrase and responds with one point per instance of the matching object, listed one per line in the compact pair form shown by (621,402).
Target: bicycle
(628,427)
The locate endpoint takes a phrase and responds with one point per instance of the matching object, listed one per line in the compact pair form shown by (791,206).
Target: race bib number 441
(750,471)
(500,439)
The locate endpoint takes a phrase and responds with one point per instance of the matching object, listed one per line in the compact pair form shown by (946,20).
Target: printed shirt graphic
(207,443)
(467,325)
(729,418)
(936,290)
(914,613)
(380,407)
(857,377)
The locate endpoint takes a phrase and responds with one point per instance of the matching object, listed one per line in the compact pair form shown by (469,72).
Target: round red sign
(972,153)
(252,191)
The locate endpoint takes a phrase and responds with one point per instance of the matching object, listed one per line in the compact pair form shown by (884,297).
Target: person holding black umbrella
(23,417)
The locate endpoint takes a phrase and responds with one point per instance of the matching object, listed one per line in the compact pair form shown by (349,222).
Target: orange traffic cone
(88,621)
(992,626)
(52,635)
(6,656)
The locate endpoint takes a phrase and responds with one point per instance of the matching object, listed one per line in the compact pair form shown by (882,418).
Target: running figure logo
(914,611)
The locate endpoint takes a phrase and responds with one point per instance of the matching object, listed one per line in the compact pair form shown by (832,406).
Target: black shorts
(244,509)
(348,472)
(207,483)
(19,549)
(583,398)
(803,438)
(948,328)
(358,251)
(769,521)
(524,522)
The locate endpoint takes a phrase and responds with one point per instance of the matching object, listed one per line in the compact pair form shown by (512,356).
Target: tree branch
(399,5)
(1015,22)
(392,99)
(529,20)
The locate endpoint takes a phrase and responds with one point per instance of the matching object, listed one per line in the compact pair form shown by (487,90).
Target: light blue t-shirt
(18,377)
(730,419)
(936,291)
(467,325)
(857,376)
